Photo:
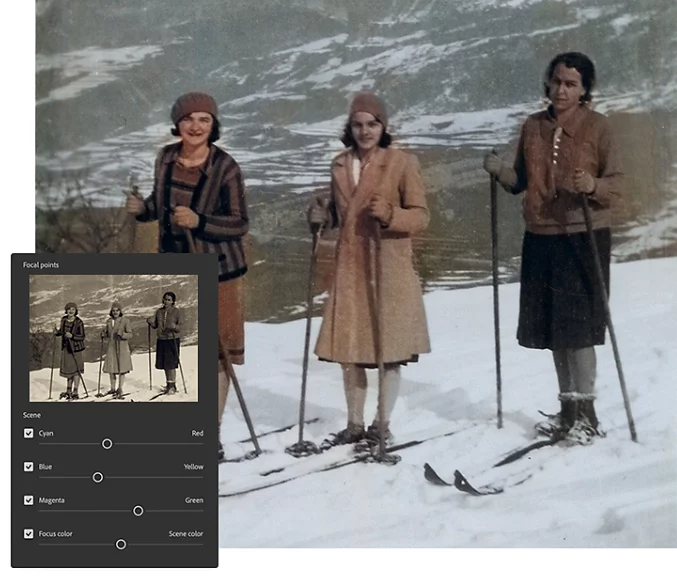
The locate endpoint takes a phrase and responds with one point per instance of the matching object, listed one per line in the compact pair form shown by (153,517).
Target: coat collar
(346,157)
(342,173)
(573,123)
(172,153)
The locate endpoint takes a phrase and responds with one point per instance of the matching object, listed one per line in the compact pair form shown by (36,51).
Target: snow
(136,382)
(90,67)
(612,494)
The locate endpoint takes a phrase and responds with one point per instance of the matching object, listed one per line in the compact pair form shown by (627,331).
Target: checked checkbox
(28,432)
(29,500)
(28,466)
(28,533)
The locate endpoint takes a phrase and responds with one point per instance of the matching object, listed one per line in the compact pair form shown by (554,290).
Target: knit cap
(367,101)
(193,102)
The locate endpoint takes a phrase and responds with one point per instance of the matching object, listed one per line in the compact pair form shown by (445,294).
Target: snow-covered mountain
(454,73)
(459,76)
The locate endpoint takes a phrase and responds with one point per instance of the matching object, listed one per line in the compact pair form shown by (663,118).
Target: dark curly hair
(171,295)
(214,135)
(348,140)
(581,63)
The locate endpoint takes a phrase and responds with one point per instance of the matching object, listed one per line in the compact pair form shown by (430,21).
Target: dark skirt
(71,364)
(561,303)
(167,354)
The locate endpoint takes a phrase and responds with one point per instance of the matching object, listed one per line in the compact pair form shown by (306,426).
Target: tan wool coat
(349,322)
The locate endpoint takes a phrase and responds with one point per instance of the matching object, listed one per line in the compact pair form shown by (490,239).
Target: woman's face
(366,130)
(195,128)
(167,301)
(565,88)
(70,312)
(115,312)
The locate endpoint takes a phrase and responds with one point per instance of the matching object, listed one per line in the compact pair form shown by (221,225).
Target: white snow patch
(612,494)
(90,67)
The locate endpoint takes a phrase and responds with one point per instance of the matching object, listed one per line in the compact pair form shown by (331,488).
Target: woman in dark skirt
(564,153)
(72,332)
(167,322)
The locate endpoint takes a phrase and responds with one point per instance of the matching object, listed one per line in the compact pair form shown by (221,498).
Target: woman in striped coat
(72,332)
(199,191)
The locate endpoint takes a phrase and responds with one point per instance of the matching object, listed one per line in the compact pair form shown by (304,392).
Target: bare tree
(69,218)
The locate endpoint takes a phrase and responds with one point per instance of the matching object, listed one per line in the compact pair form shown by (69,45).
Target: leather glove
(318,211)
(584,183)
(134,204)
(493,164)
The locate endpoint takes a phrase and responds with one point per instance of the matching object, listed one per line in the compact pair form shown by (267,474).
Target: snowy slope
(614,493)
(137,384)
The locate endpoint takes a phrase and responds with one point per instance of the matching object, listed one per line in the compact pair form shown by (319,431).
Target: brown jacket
(167,322)
(547,180)
(350,317)
(219,200)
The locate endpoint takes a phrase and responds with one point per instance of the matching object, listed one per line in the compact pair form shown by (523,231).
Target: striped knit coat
(219,200)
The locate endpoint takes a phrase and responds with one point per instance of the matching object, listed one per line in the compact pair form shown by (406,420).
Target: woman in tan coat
(373,186)
(118,361)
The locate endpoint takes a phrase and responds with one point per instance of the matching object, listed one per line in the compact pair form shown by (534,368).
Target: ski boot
(372,438)
(64,395)
(350,435)
(558,424)
(586,428)
(171,388)
(74,396)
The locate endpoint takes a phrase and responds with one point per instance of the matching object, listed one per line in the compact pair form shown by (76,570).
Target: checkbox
(28,432)
(28,466)
(28,533)
(28,500)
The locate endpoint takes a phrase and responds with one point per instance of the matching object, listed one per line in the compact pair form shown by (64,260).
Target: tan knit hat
(367,101)
(193,102)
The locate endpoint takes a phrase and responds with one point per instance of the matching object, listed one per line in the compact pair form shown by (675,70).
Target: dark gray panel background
(122,422)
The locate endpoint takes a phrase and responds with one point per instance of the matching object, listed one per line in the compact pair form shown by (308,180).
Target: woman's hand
(134,205)
(584,183)
(56,328)
(380,209)
(493,164)
(68,335)
(186,218)
(150,321)
(318,211)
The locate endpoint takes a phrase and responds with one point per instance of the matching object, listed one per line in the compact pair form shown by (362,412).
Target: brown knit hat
(193,102)
(367,101)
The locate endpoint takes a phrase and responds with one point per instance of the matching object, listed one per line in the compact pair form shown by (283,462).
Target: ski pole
(131,219)
(607,313)
(230,371)
(378,340)
(228,365)
(117,357)
(150,370)
(302,448)
(497,323)
(98,387)
(75,360)
(176,351)
(51,371)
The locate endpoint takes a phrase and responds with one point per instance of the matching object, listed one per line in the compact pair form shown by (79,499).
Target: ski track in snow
(615,493)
